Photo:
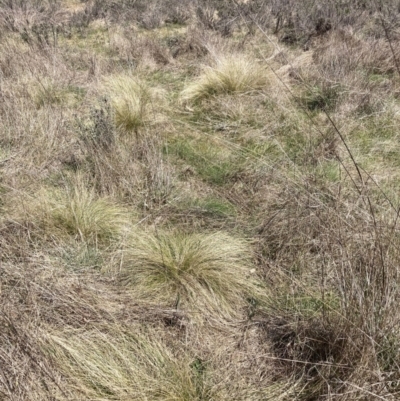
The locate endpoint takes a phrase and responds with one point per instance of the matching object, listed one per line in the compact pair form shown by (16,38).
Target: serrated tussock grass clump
(130,101)
(236,73)
(124,366)
(139,365)
(74,212)
(47,93)
(82,214)
(199,272)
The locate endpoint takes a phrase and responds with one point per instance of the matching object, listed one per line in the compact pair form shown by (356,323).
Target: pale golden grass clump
(201,272)
(236,73)
(81,213)
(130,100)
(124,365)
(75,212)
(139,363)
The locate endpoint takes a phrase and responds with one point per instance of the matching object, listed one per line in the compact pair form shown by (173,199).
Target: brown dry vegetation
(199,200)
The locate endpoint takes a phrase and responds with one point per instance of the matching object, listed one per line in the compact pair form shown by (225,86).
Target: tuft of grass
(201,272)
(130,100)
(323,97)
(236,73)
(74,212)
(126,365)
(120,364)
(81,214)
(47,92)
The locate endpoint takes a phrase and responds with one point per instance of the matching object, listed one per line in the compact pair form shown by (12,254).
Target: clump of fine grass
(81,214)
(117,364)
(126,365)
(130,100)
(49,92)
(74,212)
(200,272)
(236,73)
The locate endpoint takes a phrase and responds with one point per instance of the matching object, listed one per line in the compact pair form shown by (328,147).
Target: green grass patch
(323,97)
(307,305)
(213,165)
(329,171)
(257,152)
(209,207)
(215,207)
(95,38)
(376,141)
(82,257)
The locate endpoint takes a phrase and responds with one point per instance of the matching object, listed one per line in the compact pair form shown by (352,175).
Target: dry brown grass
(242,245)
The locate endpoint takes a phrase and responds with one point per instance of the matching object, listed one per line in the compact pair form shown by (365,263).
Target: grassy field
(199,200)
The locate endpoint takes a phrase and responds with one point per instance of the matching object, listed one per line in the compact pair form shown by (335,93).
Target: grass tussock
(81,214)
(74,212)
(125,365)
(138,363)
(236,73)
(131,101)
(198,272)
